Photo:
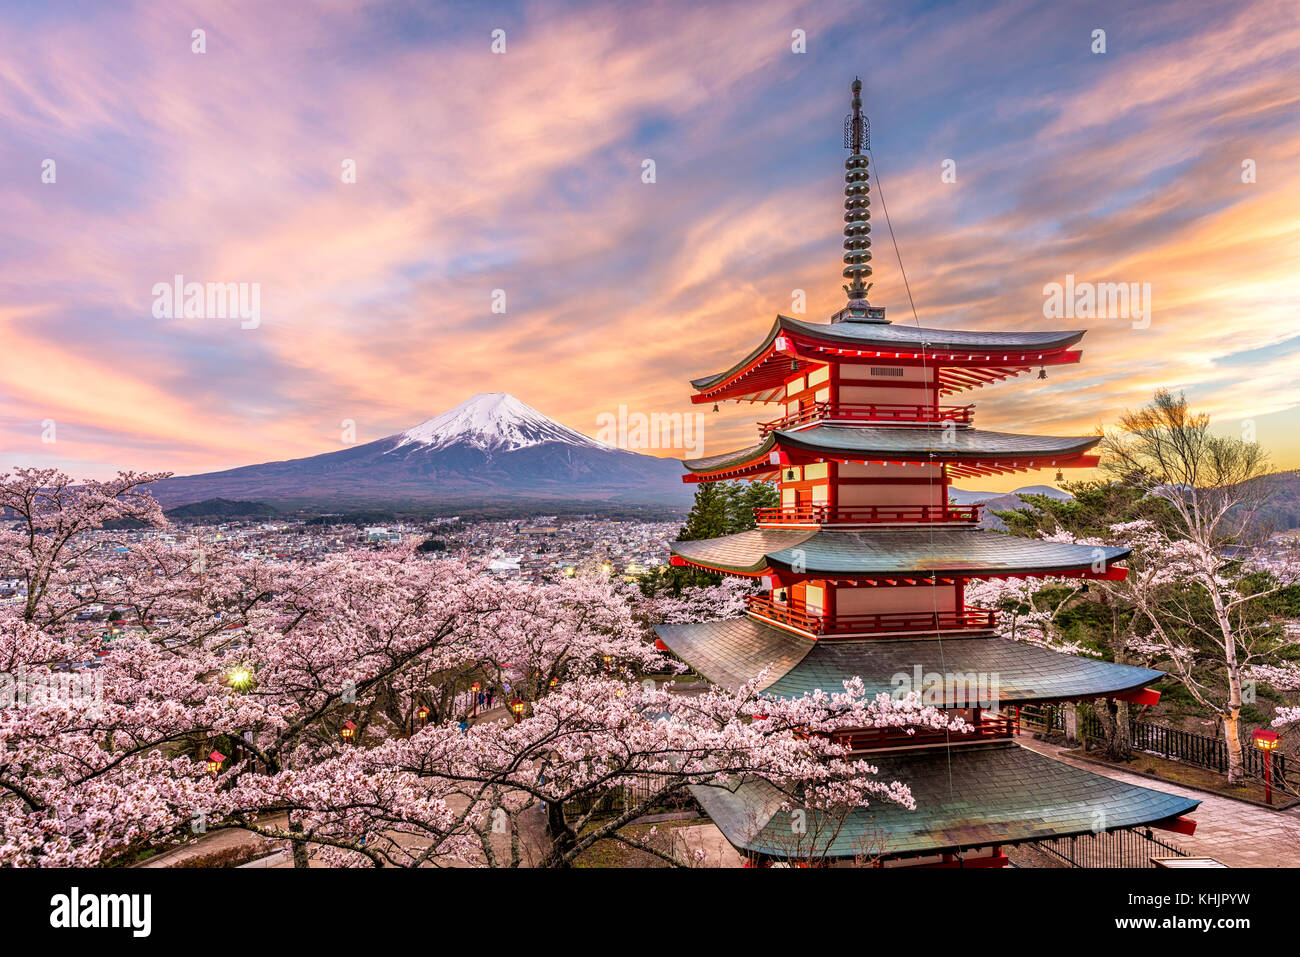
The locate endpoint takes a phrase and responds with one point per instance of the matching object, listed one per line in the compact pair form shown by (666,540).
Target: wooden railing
(988,726)
(871,412)
(814,622)
(868,515)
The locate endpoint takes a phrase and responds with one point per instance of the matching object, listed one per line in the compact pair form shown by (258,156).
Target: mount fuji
(491,449)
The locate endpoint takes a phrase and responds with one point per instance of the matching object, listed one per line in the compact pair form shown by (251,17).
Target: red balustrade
(868,515)
(876,412)
(817,623)
(988,726)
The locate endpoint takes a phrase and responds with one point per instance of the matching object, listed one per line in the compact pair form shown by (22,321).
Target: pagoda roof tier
(890,554)
(733,652)
(967,797)
(966,359)
(970,451)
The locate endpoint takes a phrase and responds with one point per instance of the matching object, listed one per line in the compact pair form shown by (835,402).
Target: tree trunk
(1117,744)
(1232,716)
(1231,737)
(562,836)
(299,847)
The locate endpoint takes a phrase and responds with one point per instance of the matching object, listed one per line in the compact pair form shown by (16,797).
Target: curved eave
(966,797)
(732,652)
(973,452)
(711,382)
(720,465)
(975,358)
(888,554)
(991,346)
(865,443)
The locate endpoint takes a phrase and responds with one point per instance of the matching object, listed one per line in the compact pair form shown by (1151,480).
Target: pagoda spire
(857,217)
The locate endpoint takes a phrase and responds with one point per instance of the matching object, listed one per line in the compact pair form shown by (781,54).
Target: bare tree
(1212,547)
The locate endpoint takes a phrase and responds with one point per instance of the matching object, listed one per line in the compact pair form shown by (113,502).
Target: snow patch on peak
(492,422)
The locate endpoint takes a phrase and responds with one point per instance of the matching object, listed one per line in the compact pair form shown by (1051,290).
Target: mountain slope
(490,449)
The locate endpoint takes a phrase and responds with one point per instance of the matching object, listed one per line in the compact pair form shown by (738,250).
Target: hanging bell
(1042,373)
(789,475)
(1084,589)
(1059,476)
(715,407)
(794,365)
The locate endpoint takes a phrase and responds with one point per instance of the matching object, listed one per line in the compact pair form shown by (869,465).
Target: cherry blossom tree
(1216,487)
(311,688)
(48,548)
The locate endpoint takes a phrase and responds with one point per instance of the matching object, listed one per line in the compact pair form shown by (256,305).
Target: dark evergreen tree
(710,514)
(752,495)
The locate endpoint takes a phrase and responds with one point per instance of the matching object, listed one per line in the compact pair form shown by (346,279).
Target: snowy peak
(492,422)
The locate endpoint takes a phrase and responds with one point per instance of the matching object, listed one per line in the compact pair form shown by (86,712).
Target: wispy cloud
(523,172)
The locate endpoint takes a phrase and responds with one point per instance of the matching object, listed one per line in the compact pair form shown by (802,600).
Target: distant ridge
(1002,501)
(222,508)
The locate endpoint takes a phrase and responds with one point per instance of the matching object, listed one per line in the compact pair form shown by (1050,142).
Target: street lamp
(475,687)
(214,762)
(348,730)
(1267,742)
(608,659)
(517,706)
(422,713)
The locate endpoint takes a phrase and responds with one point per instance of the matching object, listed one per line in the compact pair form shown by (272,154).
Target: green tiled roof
(966,797)
(712,463)
(732,652)
(880,336)
(891,551)
(944,444)
(939,445)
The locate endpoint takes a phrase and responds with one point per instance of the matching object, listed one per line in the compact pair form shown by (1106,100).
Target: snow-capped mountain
(493,422)
(490,450)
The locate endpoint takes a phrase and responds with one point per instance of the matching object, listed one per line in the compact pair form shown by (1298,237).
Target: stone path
(1234,832)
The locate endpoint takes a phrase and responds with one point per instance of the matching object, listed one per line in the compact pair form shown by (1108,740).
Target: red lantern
(349,729)
(517,706)
(215,760)
(1267,742)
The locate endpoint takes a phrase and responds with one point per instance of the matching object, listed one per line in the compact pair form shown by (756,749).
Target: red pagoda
(863,567)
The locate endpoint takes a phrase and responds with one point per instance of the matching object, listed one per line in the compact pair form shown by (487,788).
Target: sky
(523,172)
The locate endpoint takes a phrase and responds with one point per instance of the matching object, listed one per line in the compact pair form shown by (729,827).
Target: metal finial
(857,217)
(857,131)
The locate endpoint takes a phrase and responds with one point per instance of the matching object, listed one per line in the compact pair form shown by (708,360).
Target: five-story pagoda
(864,565)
